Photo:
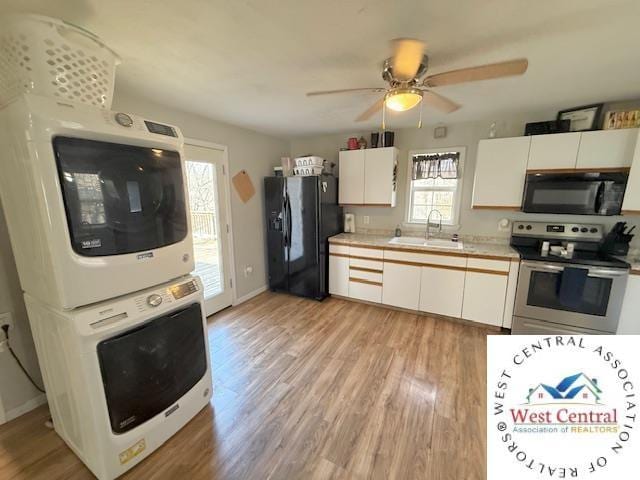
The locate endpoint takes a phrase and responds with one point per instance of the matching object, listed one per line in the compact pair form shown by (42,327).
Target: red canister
(353,143)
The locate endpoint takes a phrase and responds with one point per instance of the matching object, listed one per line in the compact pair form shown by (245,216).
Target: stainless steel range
(566,285)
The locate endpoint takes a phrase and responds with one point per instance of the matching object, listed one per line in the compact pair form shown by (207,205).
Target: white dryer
(95,200)
(123,376)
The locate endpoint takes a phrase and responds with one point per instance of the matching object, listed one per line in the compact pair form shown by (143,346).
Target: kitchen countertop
(472,249)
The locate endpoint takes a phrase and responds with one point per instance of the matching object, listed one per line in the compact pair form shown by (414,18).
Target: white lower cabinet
(441,291)
(338,276)
(484,297)
(364,290)
(401,285)
(630,316)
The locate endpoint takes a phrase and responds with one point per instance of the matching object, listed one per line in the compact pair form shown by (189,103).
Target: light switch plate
(365,219)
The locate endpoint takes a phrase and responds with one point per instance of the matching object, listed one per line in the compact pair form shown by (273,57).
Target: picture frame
(584,118)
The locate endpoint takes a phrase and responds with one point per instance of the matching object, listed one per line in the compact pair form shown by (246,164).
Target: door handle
(599,197)
(285,221)
(289,224)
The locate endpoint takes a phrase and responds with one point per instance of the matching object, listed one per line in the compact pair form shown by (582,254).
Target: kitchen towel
(572,282)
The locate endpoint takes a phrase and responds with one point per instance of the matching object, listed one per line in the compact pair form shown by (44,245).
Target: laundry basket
(50,57)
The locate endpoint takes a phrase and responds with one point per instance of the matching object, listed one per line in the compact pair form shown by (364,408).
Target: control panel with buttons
(558,230)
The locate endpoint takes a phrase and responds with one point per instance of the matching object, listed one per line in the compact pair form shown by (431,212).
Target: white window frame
(455,221)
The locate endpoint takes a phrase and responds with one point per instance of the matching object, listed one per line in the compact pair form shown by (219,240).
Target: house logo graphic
(574,389)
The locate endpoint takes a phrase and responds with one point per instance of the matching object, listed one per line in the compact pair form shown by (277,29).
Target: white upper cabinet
(380,170)
(501,168)
(554,152)
(631,203)
(607,148)
(351,182)
(368,176)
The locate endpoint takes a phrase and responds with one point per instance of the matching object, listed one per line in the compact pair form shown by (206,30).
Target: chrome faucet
(430,224)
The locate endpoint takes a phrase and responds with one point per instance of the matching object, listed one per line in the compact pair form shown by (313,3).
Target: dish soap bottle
(398,232)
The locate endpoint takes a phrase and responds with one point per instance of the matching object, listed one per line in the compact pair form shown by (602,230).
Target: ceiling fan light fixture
(403,99)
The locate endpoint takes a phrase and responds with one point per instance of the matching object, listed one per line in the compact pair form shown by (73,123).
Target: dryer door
(120,198)
(148,369)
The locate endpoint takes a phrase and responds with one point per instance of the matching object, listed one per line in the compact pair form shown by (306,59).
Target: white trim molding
(24,408)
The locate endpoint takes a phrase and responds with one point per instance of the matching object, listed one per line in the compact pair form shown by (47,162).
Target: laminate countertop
(498,250)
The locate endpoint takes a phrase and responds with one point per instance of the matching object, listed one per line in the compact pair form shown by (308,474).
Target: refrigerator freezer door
(275,196)
(303,213)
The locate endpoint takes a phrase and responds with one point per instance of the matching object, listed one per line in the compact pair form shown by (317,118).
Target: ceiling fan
(404,72)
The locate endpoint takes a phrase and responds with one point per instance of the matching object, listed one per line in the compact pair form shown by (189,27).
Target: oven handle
(593,271)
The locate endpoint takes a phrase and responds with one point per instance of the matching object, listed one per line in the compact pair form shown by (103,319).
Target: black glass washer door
(146,370)
(120,198)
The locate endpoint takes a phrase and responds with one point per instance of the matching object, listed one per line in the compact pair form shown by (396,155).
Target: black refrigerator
(302,213)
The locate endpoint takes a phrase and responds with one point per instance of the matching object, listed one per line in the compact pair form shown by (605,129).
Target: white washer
(123,376)
(95,200)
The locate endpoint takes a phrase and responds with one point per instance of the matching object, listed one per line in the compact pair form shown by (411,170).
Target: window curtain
(434,165)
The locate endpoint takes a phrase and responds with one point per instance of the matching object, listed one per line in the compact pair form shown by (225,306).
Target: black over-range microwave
(578,193)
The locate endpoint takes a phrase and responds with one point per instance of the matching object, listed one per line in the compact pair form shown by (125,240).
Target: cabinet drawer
(364,252)
(426,258)
(369,274)
(364,290)
(488,265)
(339,249)
(362,263)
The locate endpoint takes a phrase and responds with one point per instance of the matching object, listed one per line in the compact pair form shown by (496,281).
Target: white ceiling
(250,62)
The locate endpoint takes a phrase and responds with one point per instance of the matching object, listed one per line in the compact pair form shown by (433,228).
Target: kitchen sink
(421,242)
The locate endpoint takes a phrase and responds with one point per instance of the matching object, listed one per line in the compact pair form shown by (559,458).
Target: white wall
(16,393)
(254,152)
(472,222)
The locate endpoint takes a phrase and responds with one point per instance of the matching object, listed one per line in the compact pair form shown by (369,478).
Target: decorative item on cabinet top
(582,118)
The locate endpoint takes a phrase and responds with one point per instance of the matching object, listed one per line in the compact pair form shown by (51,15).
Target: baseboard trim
(250,295)
(25,407)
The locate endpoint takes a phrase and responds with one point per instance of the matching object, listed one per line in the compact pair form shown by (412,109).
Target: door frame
(227,206)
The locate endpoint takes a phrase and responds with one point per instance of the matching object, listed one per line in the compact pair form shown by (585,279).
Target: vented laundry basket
(50,57)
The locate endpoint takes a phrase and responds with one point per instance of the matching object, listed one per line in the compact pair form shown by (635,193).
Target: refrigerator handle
(285,220)
(288,215)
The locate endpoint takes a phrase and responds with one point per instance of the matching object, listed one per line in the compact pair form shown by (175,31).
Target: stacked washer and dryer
(96,207)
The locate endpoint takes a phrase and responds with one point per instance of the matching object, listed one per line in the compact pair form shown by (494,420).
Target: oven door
(573,295)
(120,199)
(148,369)
(576,193)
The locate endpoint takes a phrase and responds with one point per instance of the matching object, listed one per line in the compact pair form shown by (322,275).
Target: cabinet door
(554,152)
(501,168)
(484,297)
(631,203)
(338,275)
(630,316)
(441,291)
(351,184)
(401,285)
(379,172)
(607,148)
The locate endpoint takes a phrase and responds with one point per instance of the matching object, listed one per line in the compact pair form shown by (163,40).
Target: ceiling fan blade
(483,72)
(346,90)
(407,56)
(371,111)
(439,102)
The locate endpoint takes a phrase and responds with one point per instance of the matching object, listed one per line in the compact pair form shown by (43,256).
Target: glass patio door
(207,185)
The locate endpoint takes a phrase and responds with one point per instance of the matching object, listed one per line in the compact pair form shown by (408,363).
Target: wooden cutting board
(243,185)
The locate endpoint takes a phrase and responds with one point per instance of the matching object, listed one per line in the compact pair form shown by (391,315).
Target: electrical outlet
(366,219)
(6,319)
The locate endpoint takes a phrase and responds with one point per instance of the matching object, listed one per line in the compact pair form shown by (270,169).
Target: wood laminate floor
(331,390)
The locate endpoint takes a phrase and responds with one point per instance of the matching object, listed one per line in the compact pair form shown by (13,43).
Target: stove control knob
(529,227)
(584,229)
(520,227)
(575,229)
(594,230)
(154,300)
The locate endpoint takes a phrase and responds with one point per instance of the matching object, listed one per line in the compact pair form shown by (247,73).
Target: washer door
(148,369)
